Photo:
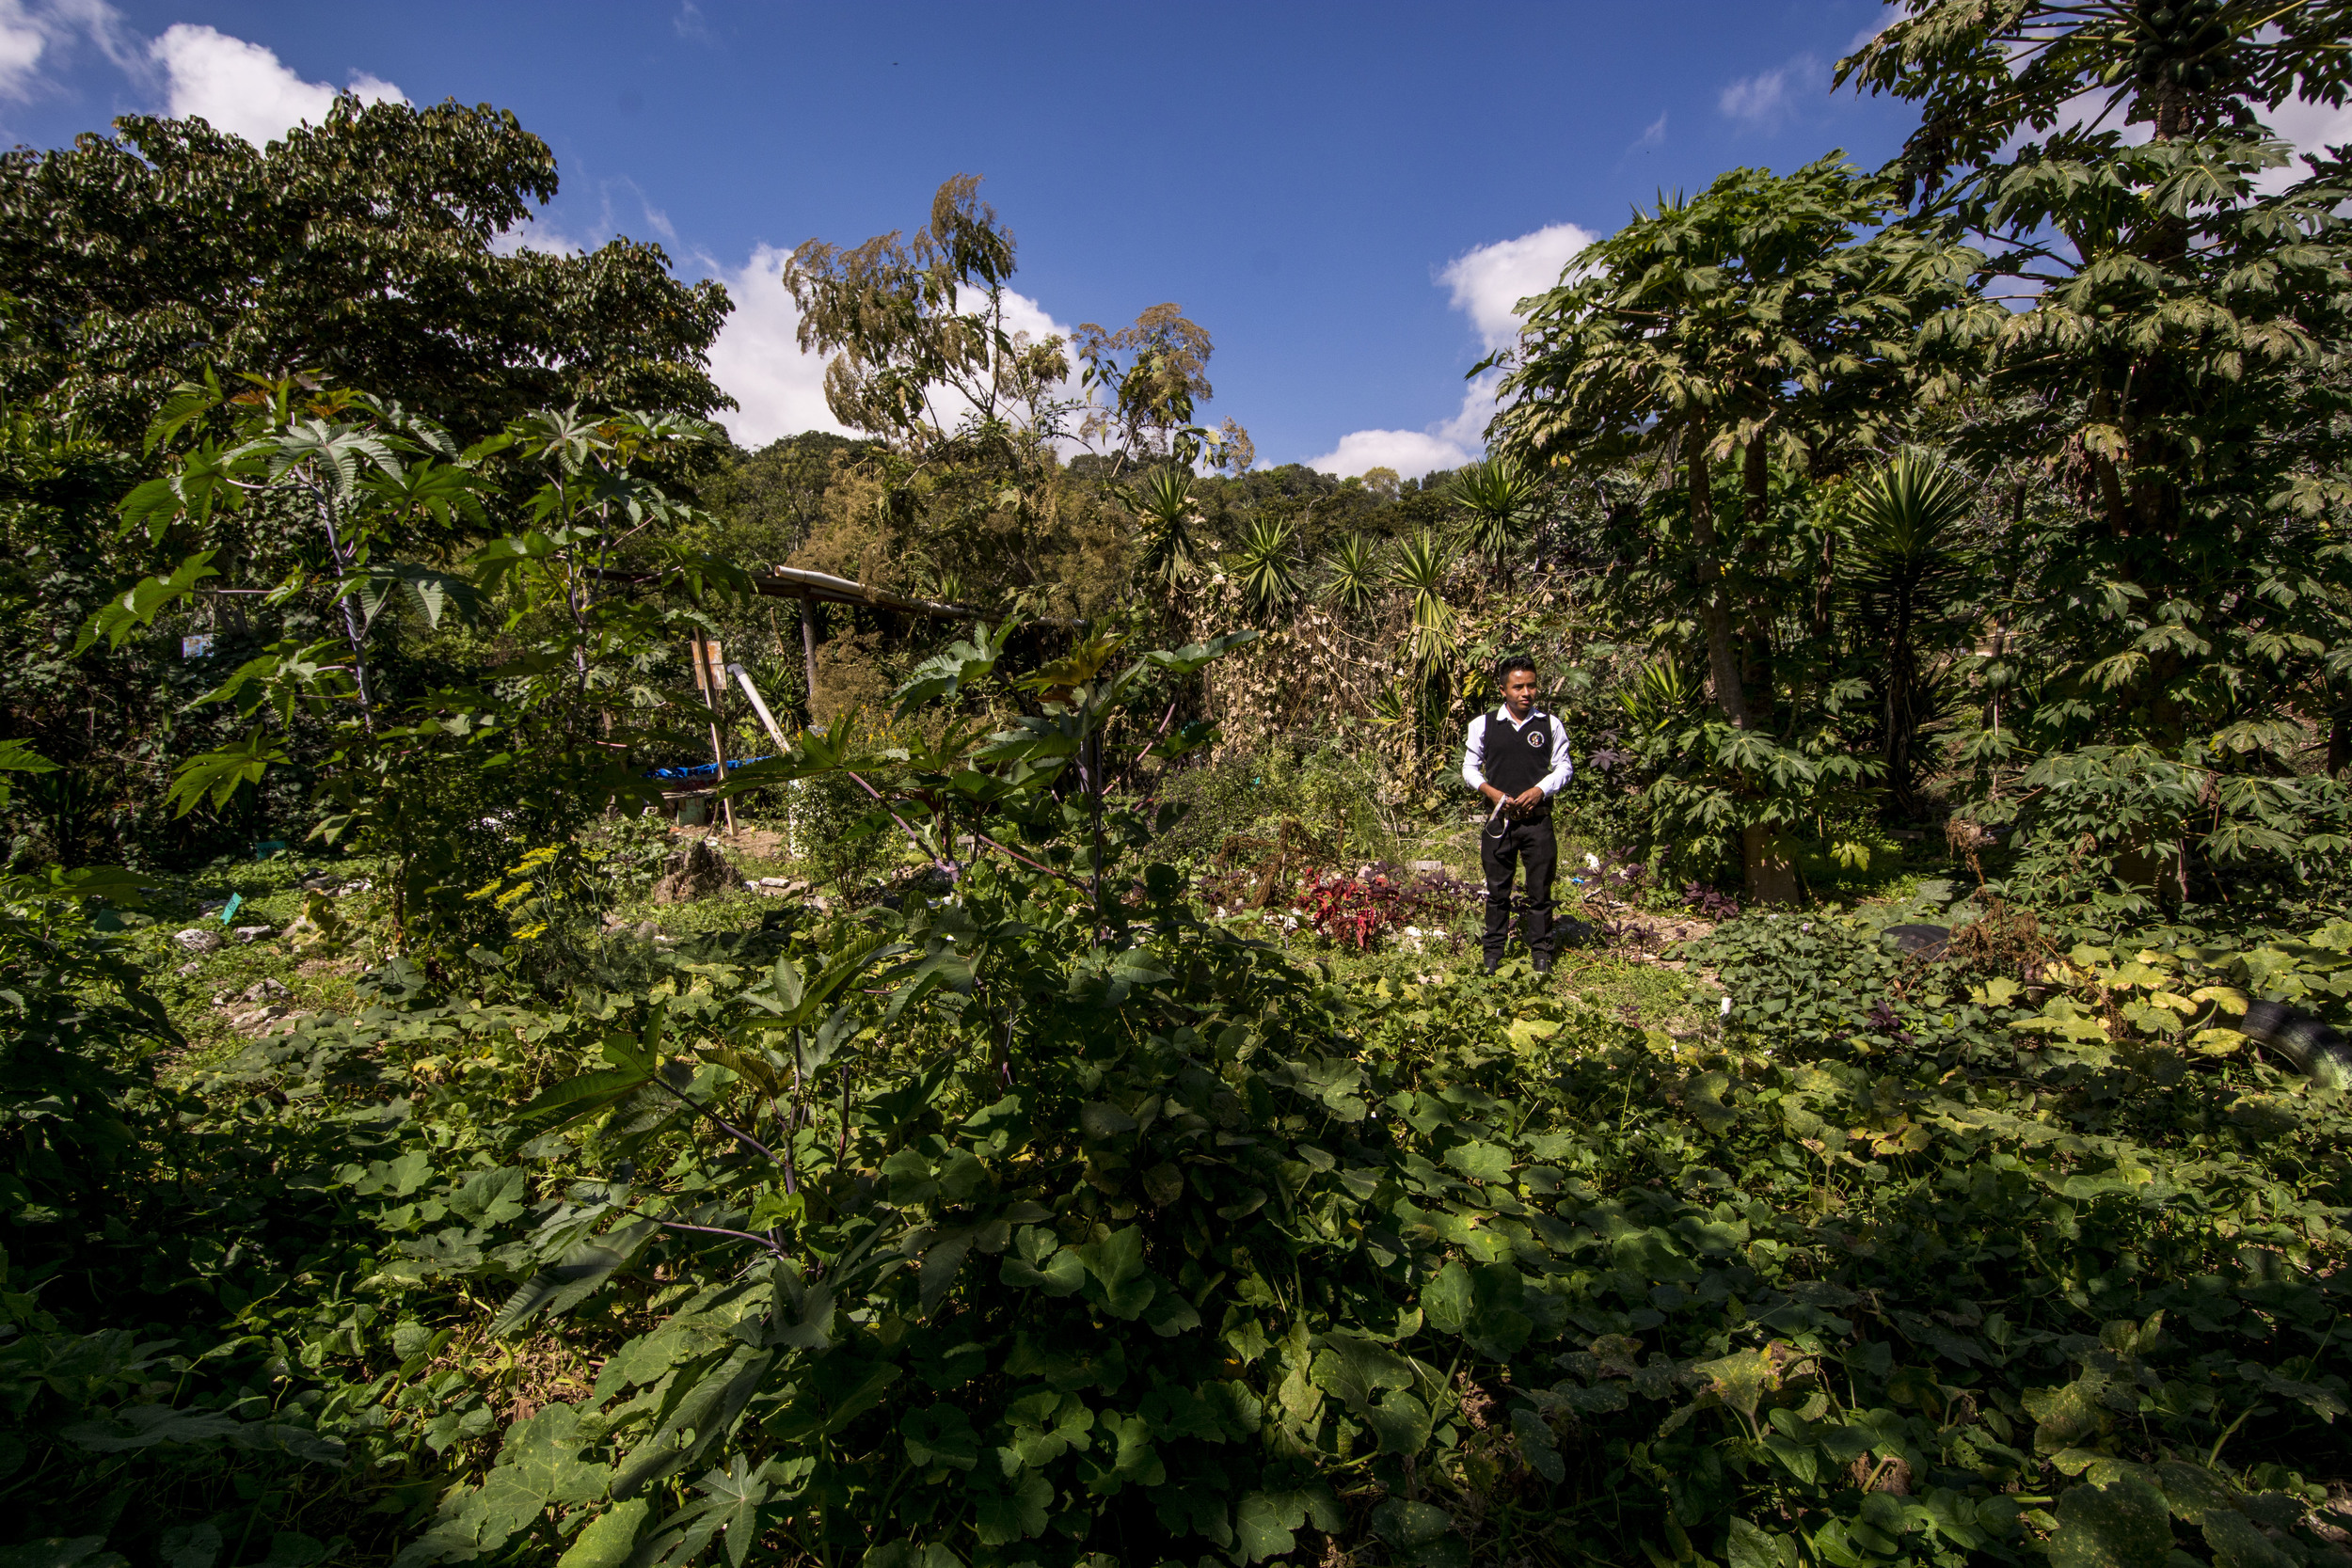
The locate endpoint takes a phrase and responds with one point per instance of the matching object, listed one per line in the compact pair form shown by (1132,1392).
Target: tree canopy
(379,247)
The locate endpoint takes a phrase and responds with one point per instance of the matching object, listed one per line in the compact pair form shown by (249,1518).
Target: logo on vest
(1536,736)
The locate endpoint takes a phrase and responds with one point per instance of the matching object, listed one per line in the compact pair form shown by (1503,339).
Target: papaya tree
(2175,369)
(1751,324)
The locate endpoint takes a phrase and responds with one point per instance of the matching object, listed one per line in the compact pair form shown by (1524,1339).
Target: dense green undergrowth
(1054,1252)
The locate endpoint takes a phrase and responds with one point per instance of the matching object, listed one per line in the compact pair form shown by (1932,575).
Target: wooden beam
(709,679)
(808,651)
(791,582)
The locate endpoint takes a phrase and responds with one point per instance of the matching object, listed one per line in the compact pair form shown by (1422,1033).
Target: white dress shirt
(1474,749)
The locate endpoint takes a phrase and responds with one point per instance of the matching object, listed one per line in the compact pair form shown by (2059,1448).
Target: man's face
(1519,693)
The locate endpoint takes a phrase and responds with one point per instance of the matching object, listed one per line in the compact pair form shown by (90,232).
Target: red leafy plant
(1361,909)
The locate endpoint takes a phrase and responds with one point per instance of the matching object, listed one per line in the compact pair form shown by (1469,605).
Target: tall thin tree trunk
(353,632)
(1902,717)
(1753,639)
(1770,876)
(1722,656)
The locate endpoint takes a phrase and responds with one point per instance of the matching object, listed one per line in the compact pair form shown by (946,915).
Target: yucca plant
(941,584)
(1162,503)
(1499,496)
(1352,580)
(1265,566)
(1420,566)
(1660,696)
(1907,565)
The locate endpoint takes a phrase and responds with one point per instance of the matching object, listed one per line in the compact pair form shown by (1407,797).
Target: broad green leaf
(1263,1523)
(1123,1454)
(583,1096)
(135,609)
(699,1416)
(941,1435)
(2194,1491)
(2065,1415)
(1410,1524)
(2124,1523)
(1034,1263)
(191,1545)
(785,980)
(1170,1313)
(735,1496)
(1480,1162)
(1002,1517)
(1445,1301)
(946,674)
(214,775)
(943,1260)
(2236,1542)
(1350,1367)
(608,1538)
(1741,1378)
(146,1425)
(559,1286)
(18,756)
(1117,1265)
(1537,1446)
(803,1311)
(1401,1421)
(492,1196)
(1746,1546)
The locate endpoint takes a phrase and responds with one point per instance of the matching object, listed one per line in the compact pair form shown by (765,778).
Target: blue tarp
(703,771)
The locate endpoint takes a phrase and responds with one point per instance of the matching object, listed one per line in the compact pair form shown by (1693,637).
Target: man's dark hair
(1515,662)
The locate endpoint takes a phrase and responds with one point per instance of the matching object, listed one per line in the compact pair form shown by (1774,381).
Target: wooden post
(705,655)
(809,649)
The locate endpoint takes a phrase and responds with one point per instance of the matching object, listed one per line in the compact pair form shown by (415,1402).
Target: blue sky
(1348,196)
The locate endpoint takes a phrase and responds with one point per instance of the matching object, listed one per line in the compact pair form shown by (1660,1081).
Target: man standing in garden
(1516,758)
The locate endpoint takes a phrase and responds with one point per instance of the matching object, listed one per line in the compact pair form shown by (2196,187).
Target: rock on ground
(197,940)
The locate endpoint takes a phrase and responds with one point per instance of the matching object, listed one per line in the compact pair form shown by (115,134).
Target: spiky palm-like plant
(1162,503)
(1265,566)
(1420,566)
(1352,582)
(1499,496)
(1906,567)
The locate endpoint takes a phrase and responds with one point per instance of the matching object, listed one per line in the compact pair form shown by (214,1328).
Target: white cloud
(22,42)
(44,29)
(1447,444)
(1764,101)
(1409,453)
(244,88)
(757,362)
(1491,281)
(1486,285)
(1652,135)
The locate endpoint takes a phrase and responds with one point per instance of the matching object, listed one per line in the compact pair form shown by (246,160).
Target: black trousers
(1501,847)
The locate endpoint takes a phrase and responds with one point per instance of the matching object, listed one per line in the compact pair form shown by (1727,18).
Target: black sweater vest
(1517,760)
